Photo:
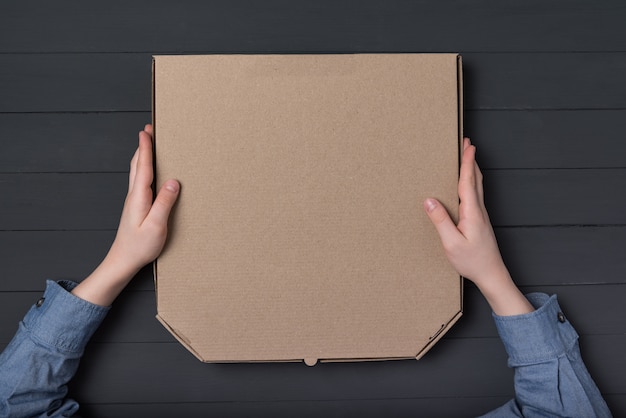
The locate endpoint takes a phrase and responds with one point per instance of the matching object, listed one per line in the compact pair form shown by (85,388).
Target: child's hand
(142,231)
(471,245)
(143,226)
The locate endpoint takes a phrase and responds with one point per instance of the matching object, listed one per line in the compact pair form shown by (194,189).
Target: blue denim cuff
(537,337)
(61,320)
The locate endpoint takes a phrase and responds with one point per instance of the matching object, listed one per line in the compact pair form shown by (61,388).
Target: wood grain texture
(545,100)
(327,25)
(131,318)
(75,82)
(564,255)
(544,81)
(62,201)
(69,142)
(174,373)
(122,82)
(592,309)
(30,257)
(548,139)
(455,367)
(559,256)
(442,407)
(555,197)
(431,407)
(103,142)
(93,201)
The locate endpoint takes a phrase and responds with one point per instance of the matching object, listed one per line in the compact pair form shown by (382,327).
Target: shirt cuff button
(40,302)
(560,317)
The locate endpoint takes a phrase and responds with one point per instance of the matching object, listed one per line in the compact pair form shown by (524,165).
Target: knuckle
(454,247)
(439,215)
(450,246)
(165,200)
(157,228)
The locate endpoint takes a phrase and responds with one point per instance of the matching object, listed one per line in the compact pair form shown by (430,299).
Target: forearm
(106,282)
(502,294)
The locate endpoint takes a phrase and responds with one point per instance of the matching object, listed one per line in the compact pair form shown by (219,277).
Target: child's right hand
(471,245)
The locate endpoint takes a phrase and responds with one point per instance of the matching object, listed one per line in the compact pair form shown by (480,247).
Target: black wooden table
(545,100)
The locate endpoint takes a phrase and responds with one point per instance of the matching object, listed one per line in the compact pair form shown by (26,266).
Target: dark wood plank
(62,201)
(28,258)
(548,139)
(104,142)
(121,82)
(556,197)
(544,91)
(131,318)
(455,367)
(175,374)
(278,25)
(167,371)
(70,82)
(398,408)
(564,255)
(616,403)
(13,307)
(592,309)
(69,142)
(431,407)
(514,198)
(544,81)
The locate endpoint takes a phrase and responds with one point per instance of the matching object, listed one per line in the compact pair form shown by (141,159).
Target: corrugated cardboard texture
(300,233)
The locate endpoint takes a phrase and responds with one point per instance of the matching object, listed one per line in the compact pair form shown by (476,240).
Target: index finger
(144,171)
(468,183)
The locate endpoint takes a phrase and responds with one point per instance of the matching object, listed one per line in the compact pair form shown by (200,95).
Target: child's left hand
(142,231)
(143,226)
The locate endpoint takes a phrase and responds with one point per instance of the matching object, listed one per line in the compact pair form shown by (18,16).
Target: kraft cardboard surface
(299,233)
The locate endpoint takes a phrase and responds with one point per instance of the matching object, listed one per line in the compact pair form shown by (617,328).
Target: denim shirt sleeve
(44,354)
(550,376)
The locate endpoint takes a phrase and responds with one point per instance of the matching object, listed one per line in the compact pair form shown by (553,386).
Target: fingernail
(469,141)
(172,186)
(430,205)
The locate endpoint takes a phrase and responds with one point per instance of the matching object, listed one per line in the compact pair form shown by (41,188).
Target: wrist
(116,270)
(492,280)
(120,264)
(503,296)
(106,282)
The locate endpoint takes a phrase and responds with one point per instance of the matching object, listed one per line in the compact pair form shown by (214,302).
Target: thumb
(440,218)
(162,206)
